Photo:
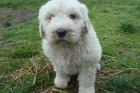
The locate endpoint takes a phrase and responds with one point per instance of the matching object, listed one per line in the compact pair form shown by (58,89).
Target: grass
(28,4)
(23,66)
(123,84)
(128,27)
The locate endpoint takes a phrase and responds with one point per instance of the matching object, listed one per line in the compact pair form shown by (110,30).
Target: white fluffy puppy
(70,43)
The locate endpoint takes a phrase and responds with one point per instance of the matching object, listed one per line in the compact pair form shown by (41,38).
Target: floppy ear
(40,18)
(41,31)
(84,11)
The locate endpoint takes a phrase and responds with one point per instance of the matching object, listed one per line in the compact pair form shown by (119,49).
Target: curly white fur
(79,52)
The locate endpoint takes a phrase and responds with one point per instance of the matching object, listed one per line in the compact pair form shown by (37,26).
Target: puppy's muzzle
(61,33)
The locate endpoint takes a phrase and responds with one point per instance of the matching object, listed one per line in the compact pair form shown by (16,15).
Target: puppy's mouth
(62,41)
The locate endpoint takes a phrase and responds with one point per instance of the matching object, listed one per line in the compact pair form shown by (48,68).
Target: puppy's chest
(69,60)
(71,63)
(69,57)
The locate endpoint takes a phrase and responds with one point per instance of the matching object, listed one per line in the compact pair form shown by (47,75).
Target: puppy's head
(63,21)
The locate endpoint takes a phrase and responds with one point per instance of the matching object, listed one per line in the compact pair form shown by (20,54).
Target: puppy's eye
(50,17)
(72,16)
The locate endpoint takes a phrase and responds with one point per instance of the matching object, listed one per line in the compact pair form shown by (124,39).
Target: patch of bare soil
(12,17)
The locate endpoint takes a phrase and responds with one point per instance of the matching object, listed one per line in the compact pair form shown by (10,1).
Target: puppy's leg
(86,79)
(61,80)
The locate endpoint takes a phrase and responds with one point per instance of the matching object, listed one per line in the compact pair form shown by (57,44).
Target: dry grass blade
(126,70)
(15,79)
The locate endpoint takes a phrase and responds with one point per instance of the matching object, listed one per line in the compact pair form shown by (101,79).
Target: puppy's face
(63,21)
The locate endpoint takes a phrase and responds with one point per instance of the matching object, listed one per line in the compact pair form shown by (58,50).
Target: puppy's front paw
(60,82)
(86,90)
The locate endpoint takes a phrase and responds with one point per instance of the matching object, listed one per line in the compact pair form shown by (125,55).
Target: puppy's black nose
(61,32)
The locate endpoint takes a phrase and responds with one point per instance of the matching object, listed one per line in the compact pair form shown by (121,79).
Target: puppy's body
(79,51)
(69,59)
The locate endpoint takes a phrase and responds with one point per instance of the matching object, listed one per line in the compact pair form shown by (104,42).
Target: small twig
(128,69)
(42,69)
(36,72)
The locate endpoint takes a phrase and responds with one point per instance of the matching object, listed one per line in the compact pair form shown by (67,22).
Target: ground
(25,69)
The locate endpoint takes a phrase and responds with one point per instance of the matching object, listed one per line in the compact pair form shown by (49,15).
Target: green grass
(128,27)
(27,4)
(123,84)
(117,24)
